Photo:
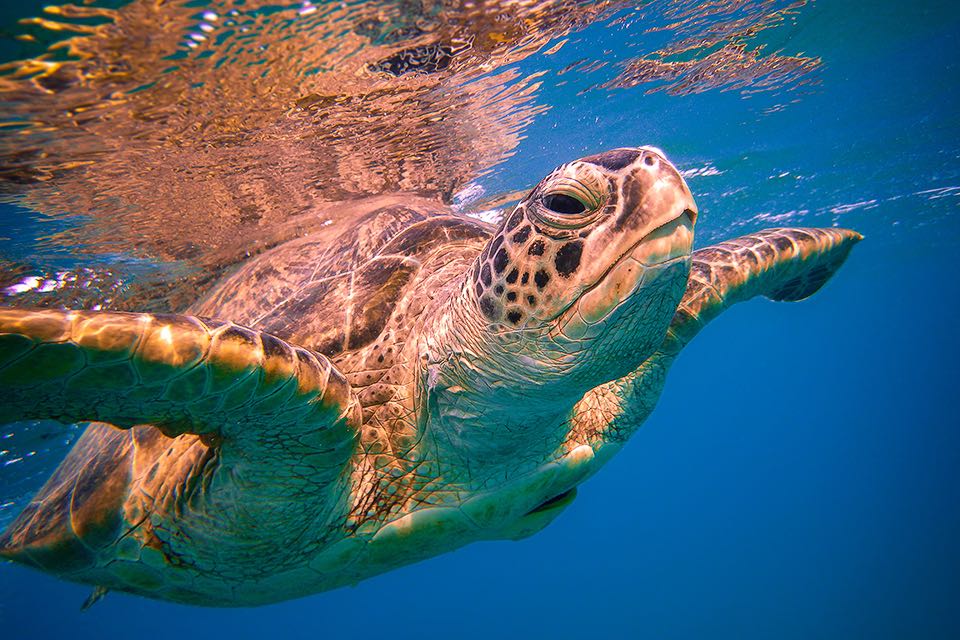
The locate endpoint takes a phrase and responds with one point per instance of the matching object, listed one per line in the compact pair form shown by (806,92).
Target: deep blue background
(799,478)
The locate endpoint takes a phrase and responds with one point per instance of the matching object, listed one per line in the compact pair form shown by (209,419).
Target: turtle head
(576,288)
(590,266)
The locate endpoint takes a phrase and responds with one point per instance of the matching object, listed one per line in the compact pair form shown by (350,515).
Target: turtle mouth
(664,244)
(676,234)
(679,226)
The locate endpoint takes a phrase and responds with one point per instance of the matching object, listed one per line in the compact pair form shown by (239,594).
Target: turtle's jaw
(640,265)
(670,240)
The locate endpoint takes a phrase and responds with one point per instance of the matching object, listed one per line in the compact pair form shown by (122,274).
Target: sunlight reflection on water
(192,137)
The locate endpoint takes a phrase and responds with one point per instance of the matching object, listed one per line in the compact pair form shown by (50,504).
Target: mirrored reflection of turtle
(389,392)
(258,119)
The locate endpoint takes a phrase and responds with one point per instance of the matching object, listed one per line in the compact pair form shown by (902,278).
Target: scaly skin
(456,386)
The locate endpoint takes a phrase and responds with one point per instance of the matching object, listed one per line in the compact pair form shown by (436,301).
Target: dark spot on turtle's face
(495,244)
(479,289)
(541,278)
(536,249)
(511,296)
(568,258)
(531,300)
(525,279)
(500,260)
(498,289)
(489,307)
(485,275)
(514,317)
(632,192)
(614,160)
(512,276)
(521,236)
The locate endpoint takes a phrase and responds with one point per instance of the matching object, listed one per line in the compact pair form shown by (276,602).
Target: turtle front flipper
(180,374)
(780,264)
(276,426)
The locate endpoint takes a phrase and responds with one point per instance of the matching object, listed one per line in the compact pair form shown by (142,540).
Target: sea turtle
(417,382)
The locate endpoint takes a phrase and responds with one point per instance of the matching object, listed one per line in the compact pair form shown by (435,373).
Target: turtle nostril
(649,160)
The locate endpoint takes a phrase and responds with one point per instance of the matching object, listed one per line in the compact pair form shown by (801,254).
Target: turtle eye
(563,204)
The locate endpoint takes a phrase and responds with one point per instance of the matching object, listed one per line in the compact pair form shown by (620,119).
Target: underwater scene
(320,319)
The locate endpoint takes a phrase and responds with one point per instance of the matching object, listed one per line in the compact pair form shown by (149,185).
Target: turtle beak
(686,204)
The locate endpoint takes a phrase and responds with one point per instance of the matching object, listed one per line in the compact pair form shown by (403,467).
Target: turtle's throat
(491,398)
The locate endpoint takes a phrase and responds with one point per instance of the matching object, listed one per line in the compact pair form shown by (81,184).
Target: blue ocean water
(800,477)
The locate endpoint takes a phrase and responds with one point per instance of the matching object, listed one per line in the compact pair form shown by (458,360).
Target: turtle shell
(334,292)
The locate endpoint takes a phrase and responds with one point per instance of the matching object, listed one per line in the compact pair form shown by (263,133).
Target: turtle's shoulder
(334,290)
